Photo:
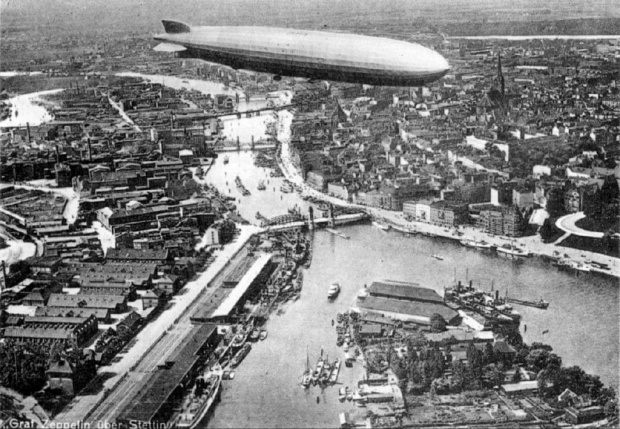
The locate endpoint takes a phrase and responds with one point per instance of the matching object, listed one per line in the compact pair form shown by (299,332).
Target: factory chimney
(3,282)
(90,151)
(28,131)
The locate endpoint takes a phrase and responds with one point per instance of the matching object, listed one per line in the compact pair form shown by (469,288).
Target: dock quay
(251,280)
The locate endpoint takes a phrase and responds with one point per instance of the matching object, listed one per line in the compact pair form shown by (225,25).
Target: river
(539,37)
(26,110)
(244,128)
(582,320)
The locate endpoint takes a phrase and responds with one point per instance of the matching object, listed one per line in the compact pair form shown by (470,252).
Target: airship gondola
(304,53)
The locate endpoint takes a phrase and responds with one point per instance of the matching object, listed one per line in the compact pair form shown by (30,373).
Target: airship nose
(440,63)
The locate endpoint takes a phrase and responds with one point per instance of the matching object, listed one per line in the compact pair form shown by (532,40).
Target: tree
(227,229)
(400,371)
(21,266)
(496,377)
(438,324)
(611,409)
(489,354)
(474,357)
(549,379)
(459,376)
(22,367)
(537,359)
(517,376)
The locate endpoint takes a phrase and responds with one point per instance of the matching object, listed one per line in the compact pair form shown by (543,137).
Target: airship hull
(312,54)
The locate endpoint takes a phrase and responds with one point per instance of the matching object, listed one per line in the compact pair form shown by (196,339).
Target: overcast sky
(145,15)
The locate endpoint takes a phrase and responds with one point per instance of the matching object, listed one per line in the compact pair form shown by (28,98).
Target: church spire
(500,76)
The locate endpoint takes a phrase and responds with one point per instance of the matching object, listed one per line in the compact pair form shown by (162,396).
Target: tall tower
(500,75)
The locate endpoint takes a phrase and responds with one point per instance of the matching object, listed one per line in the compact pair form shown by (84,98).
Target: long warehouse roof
(231,300)
(162,382)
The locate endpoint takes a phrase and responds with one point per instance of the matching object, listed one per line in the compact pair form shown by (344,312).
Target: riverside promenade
(397,220)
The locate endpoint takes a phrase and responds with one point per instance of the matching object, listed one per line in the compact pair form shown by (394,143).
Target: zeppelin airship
(310,54)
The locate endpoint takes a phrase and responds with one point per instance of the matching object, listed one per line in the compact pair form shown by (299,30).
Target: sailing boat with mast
(306,380)
(319,369)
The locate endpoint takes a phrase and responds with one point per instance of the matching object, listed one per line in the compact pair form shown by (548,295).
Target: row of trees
(23,366)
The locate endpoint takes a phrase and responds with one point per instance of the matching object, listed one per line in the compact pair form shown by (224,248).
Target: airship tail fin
(175,27)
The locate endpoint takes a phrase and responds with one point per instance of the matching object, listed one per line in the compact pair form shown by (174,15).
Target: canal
(582,320)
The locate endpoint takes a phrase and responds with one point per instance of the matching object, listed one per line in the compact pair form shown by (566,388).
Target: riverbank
(538,37)
(28,109)
(179,308)
(396,219)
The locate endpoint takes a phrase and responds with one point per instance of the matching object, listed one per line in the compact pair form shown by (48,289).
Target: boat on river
(263,334)
(491,307)
(513,251)
(239,339)
(325,372)
(306,379)
(245,350)
(333,291)
(333,377)
(381,225)
(541,303)
(349,393)
(476,244)
(201,398)
(318,369)
(583,267)
(226,159)
(338,233)
(244,191)
(261,186)
(437,256)
(254,335)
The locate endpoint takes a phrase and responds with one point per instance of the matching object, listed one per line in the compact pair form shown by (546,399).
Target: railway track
(127,389)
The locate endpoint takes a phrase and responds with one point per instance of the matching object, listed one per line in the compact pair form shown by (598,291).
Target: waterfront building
(581,197)
(523,197)
(101,314)
(339,190)
(409,209)
(423,210)
(522,388)
(70,331)
(64,376)
(156,401)
(578,416)
(161,257)
(502,220)
(404,292)
(113,303)
(448,214)
(417,312)
(43,264)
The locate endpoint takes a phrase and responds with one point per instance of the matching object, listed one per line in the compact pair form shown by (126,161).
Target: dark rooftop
(408,291)
(163,381)
(410,308)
